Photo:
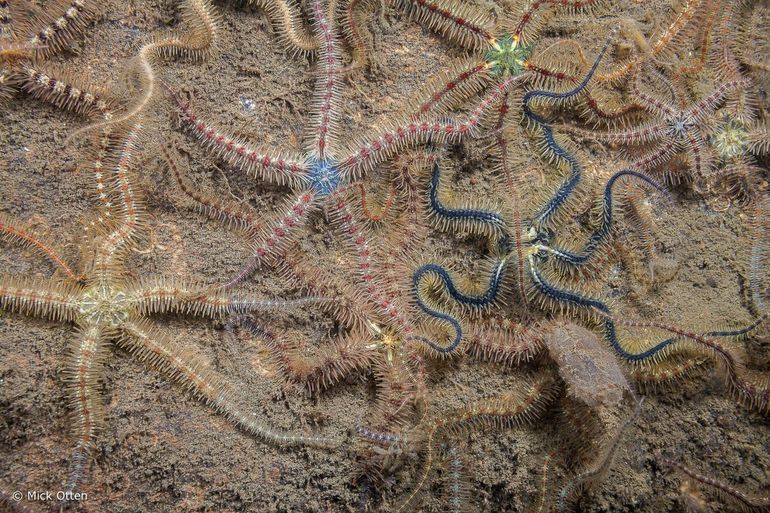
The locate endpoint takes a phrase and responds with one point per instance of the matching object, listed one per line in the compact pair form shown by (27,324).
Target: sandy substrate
(161,450)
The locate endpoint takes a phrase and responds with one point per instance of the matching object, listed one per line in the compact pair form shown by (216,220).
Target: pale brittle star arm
(683,18)
(82,377)
(286,14)
(385,302)
(15,232)
(195,43)
(98,163)
(229,213)
(39,298)
(159,351)
(129,213)
(649,132)
(165,295)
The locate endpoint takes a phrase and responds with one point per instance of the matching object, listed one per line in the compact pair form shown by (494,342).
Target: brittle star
(105,304)
(502,47)
(327,167)
(679,127)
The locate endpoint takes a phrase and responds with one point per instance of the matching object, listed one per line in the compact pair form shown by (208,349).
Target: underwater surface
(384,255)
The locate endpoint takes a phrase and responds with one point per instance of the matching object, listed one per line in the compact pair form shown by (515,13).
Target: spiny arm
(282,169)
(38,298)
(195,43)
(14,232)
(327,88)
(130,216)
(286,15)
(276,235)
(62,89)
(377,148)
(157,350)
(82,377)
(455,19)
(228,213)
(370,282)
(599,237)
(163,295)
(62,22)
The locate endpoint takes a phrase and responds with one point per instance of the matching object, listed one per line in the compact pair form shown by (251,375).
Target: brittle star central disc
(507,56)
(731,139)
(679,125)
(324,176)
(104,305)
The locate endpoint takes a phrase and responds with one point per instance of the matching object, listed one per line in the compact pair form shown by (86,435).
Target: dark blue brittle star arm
(571,298)
(599,236)
(566,189)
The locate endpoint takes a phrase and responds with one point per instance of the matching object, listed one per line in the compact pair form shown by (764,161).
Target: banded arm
(372,150)
(82,380)
(327,89)
(384,301)
(14,232)
(276,236)
(286,15)
(129,213)
(281,168)
(455,19)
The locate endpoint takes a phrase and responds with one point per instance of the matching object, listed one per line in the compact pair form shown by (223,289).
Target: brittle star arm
(652,104)
(277,234)
(455,19)
(375,290)
(39,298)
(82,376)
(695,144)
(14,232)
(195,43)
(158,350)
(279,168)
(269,239)
(129,213)
(330,364)
(59,28)
(646,133)
(228,212)
(700,110)
(327,88)
(375,149)
(661,152)
(162,295)
(286,14)
(682,19)
(529,16)
(463,79)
